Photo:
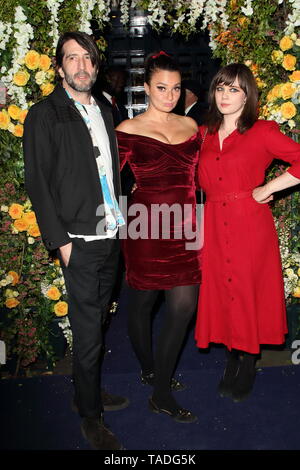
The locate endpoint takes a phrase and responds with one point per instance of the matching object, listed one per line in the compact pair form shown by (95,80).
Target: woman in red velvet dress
(242,296)
(162,150)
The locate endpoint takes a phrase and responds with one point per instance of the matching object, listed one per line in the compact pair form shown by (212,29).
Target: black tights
(181,302)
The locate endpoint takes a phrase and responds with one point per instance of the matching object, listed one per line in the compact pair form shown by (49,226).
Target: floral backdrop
(264,34)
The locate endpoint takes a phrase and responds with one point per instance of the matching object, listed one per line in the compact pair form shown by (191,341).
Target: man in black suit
(194,103)
(109,89)
(72,178)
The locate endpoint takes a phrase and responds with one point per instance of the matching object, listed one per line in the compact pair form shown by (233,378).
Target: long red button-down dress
(241,301)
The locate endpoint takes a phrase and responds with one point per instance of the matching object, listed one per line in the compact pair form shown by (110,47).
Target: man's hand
(65,252)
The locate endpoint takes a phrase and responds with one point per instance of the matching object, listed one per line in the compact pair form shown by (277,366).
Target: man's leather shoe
(110,402)
(98,436)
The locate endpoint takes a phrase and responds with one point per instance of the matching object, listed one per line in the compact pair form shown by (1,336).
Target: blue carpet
(36,415)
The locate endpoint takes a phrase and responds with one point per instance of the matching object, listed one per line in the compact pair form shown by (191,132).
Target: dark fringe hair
(84,40)
(159,61)
(226,76)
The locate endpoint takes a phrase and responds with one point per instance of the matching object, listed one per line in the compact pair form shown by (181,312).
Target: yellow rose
(289,62)
(30,217)
(296,292)
(275,93)
(56,262)
(18,130)
(260,83)
(15,277)
(4,119)
(20,225)
(11,303)
(47,88)
(32,60)
(287,90)
(14,111)
(23,114)
(34,230)
(45,62)
(53,293)
(50,74)
(16,211)
(286,43)
(277,56)
(21,78)
(61,308)
(242,20)
(288,110)
(295,76)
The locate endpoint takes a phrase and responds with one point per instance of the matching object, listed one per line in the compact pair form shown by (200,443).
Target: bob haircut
(84,40)
(226,76)
(159,61)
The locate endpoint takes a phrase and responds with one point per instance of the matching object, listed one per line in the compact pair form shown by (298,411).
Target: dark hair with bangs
(226,76)
(159,61)
(84,40)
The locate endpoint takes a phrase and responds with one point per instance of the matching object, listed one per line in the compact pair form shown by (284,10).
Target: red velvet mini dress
(241,303)
(155,250)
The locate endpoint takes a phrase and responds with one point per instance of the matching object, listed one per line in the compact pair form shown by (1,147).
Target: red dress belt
(220,197)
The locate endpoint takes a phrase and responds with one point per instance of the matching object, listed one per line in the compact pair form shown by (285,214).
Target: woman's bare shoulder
(190,122)
(125,126)
(186,121)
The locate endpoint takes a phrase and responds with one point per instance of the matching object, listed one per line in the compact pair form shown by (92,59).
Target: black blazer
(197,112)
(119,113)
(61,175)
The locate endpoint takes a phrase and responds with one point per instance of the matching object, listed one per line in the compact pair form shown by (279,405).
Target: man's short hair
(84,40)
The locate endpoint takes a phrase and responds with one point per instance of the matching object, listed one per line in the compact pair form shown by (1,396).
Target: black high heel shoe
(176,386)
(181,415)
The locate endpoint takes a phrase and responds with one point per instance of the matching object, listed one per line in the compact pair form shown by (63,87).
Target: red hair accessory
(160,53)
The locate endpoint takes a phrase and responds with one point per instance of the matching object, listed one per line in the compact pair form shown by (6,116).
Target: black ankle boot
(230,373)
(245,378)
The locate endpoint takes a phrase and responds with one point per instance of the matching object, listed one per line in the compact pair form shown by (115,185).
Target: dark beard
(76,86)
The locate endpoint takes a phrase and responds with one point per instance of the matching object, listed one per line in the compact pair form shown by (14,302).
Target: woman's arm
(264,193)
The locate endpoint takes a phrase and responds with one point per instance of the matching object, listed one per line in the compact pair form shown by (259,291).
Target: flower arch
(263,34)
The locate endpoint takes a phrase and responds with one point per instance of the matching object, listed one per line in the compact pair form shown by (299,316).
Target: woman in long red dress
(242,295)
(162,150)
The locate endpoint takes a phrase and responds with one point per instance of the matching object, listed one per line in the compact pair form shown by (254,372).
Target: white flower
(11,127)
(247,10)
(40,77)
(4,208)
(30,240)
(124,8)
(53,6)
(64,324)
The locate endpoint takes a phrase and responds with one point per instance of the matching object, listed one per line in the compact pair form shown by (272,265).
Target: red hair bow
(160,53)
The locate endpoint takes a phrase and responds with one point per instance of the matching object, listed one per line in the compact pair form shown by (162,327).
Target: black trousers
(89,278)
